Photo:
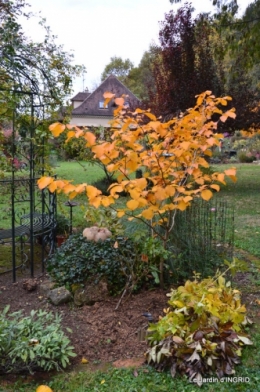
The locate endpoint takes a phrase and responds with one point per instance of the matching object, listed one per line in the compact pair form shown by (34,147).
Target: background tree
(184,63)
(240,61)
(43,68)
(140,79)
(221,5)
(118,67)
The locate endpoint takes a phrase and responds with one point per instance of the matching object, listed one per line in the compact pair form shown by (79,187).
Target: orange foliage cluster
(172,156)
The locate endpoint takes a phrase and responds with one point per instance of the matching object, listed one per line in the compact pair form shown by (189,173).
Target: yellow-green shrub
(202,330)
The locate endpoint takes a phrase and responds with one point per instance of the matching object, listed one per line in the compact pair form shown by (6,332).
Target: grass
(146,379)
(79,172)
(245,197)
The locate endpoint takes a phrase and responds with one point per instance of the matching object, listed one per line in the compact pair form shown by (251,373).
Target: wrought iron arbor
(32,212)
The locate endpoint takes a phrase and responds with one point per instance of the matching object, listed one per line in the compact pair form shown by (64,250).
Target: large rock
(59,296)
(91,293)
(45,288)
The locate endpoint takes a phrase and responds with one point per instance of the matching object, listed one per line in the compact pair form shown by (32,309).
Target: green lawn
(78,172)
(244,195)
(147,380)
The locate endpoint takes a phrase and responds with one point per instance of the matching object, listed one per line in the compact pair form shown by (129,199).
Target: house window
(101,105)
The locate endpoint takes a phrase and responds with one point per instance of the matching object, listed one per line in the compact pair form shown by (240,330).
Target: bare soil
(100,333)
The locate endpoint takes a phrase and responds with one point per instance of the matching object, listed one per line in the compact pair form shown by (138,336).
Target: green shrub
(75,148)
(244,157)
(102,217)
(79,261)
(201,332)
(233,160)
(35,342)
(62,224)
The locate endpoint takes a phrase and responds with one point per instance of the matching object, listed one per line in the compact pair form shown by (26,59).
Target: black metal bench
(42,224)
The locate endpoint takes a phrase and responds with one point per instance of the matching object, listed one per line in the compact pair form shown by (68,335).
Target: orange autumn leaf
(106,201)
(142,202)
(132,204)
(96,201)
(221,177)
(120,214)
(68,188)
(148,214)
(132,165)
(182,205)
(44,388)
(119,101)
(57,128)
(84,361)
(144,258)
(231,113)
(151,116)
(43,182)
(230,172)
(53,186)
(233,178)
(92,192)
(99,150)
(223,118)
(215,186)
(90,137)
(61,183)
(134,193)
(80,188)
(72,195)
(70,135)
(108,95)
(206,194)
(115,189)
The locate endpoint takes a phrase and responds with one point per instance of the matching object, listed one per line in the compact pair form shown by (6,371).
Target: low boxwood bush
(34,342)
(202,332)
(103,184)
(79,261)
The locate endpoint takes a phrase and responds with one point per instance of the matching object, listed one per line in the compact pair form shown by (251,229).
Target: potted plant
(61,229)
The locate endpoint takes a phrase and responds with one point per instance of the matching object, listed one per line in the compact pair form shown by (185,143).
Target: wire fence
(202,238)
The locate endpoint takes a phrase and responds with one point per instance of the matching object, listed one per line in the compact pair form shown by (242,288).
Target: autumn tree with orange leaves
(172,157)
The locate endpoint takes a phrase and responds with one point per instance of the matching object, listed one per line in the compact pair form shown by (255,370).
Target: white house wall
(90,121)
(76,104)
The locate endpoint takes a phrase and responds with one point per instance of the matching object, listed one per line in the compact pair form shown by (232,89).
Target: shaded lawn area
(244,195)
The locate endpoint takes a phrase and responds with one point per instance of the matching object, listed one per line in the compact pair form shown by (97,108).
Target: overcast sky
(96,30)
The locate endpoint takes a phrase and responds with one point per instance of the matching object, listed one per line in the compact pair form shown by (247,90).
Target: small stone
(90,294)
(59,296)
(45,288)
(30,284)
